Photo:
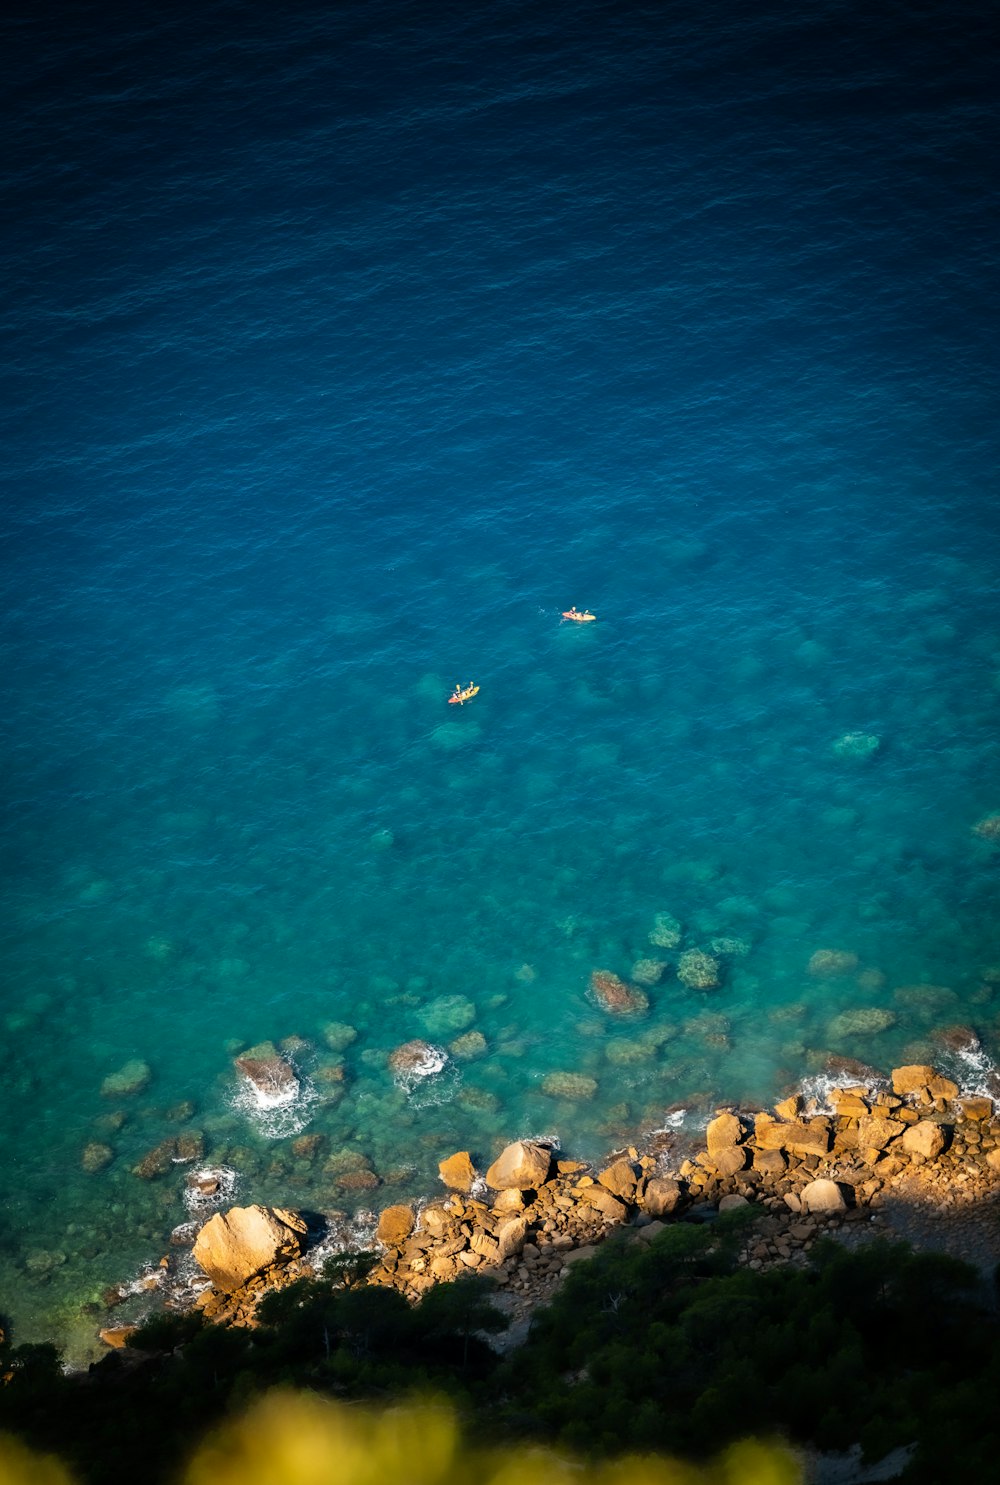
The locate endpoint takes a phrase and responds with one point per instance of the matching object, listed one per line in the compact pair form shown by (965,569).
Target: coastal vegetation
(665,1346)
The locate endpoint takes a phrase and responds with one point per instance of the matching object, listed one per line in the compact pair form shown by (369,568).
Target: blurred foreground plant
(298,1438)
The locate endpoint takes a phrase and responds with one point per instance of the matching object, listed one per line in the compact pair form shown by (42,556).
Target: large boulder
(395,1225)
(524,1165)
(912,1078)
(233,1246)
(800,1136)
(723,1133)
(619,1179)
(729,1160)
(610,1208)
(875,1134)
(661,1196)
(511,1237)
(822,1196)
(457,1171)
(925,1138)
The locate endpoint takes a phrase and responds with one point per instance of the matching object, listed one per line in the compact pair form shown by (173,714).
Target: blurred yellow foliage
(19,1466)
(291,1438)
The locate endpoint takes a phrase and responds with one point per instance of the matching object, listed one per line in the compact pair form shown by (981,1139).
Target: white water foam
(279,1115)
(354,1234)
(205,1201)
(430,1062)
(973,1069)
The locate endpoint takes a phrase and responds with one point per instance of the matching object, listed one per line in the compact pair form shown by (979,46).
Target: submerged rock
(157,1161)
(614,995)
(867,1021)
(649,971)
(827,964)
(95,1157)
(857,745)
(233,1246)
(468,1047)
(569,1085)
(338,1035)
(128,1080)
(698,970)
(666,932)
(448,1015)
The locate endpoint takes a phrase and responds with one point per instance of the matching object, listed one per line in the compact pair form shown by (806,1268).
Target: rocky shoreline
(877,1153)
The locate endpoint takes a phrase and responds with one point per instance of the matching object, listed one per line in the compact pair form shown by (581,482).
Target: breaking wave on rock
(278,1116)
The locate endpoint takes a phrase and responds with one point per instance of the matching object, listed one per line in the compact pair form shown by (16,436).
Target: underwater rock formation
(614,995)
(827,964)
(857,745)
(130,1079)
(698,970)
(569,1085)
(666,932)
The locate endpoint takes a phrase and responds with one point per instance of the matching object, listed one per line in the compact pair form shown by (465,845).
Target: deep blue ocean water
(345,348)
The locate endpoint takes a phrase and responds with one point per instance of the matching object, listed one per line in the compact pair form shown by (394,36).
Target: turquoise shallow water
(317,410)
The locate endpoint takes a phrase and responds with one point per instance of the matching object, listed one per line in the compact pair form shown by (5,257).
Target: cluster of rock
(533,1214)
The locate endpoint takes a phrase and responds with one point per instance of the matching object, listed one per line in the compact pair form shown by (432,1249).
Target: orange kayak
(585,618)
(461,696)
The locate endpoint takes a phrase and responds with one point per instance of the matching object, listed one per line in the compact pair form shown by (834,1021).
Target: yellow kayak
(463,694)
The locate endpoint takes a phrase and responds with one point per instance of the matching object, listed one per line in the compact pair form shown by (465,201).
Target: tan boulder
(486,1246)
(939,1087)
(732,1203)
(729,1160)
(610,1208)
(619,1179)
(912,1078)
(511,1238)
(800,1136)
(993,1160)
(769,1162)
(117,1336)
(395,1225)
(661,1196)
(723,1132)
(789,1108)
(875,1134)
(975,1108)
(233,1246)
(924,1138)
(847,1104)
(508,1202)
(436,1220)
(524,1165)
(458,1171)
(822,1196)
